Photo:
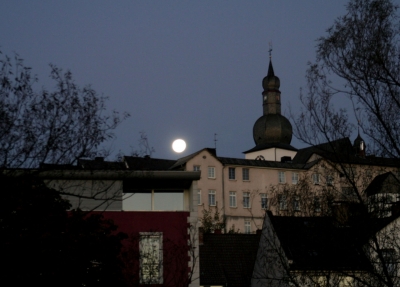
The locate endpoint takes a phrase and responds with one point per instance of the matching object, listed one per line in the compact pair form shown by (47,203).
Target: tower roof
(272,127)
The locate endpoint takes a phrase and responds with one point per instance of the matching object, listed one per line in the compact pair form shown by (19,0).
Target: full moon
(179,145)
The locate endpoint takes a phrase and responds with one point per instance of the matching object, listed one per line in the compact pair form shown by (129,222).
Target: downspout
(223,197)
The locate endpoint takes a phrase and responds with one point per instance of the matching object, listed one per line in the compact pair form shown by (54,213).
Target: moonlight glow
(179,145)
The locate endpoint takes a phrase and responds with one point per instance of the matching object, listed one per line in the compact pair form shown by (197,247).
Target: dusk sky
(182,69)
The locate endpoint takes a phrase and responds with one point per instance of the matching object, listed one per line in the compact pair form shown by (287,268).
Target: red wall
(173,225)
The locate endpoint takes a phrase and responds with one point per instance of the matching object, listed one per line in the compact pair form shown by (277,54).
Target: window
(211,172)
(246,174)
(150,200)
(199,197)
(232,199)
(295,178)
(232,173)
(282,202)
(389,256)
(246,199)
(264,201)
(296,203)
(348,192)
(211,198)
(315,178)
(196,168)
(247,227)
(281,177)
(329,180)
(317,204)
(151,265)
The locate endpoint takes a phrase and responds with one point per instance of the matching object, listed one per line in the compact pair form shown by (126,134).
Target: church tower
(272,132)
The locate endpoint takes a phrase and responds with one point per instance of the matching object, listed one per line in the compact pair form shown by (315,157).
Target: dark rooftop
(317,243)
(228,259)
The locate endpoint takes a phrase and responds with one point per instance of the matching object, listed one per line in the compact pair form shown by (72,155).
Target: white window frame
(232,199)
(247,227)
(211,197)
(199,197)
(246,200)
(295,178)
(196,168)
(211,172)
(231,173)
(245,174)
(281,177)
(264,201)
(156,240)
(316,178)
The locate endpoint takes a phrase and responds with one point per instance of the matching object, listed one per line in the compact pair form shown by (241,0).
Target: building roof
(147,163)
(325,149)
(317,243)
(383,183)
(182,161)
(100,164)
(259,163)
(228,259)
(342,151)
(271,145)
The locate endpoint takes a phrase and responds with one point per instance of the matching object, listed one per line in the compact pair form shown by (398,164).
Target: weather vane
(270,49)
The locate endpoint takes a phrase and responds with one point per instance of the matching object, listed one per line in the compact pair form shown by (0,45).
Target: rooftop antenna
(270,50)
(215,141)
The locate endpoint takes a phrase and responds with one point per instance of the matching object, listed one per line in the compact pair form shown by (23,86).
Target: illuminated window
(151,256)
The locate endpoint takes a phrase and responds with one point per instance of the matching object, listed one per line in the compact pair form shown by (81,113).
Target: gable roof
(228,259)
(316,243)
(182,161)
(383,183)
(325,149)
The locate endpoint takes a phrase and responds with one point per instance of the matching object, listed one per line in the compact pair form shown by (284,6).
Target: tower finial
(270,50)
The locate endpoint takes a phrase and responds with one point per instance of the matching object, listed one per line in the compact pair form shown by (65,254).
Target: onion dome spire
(272,127)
